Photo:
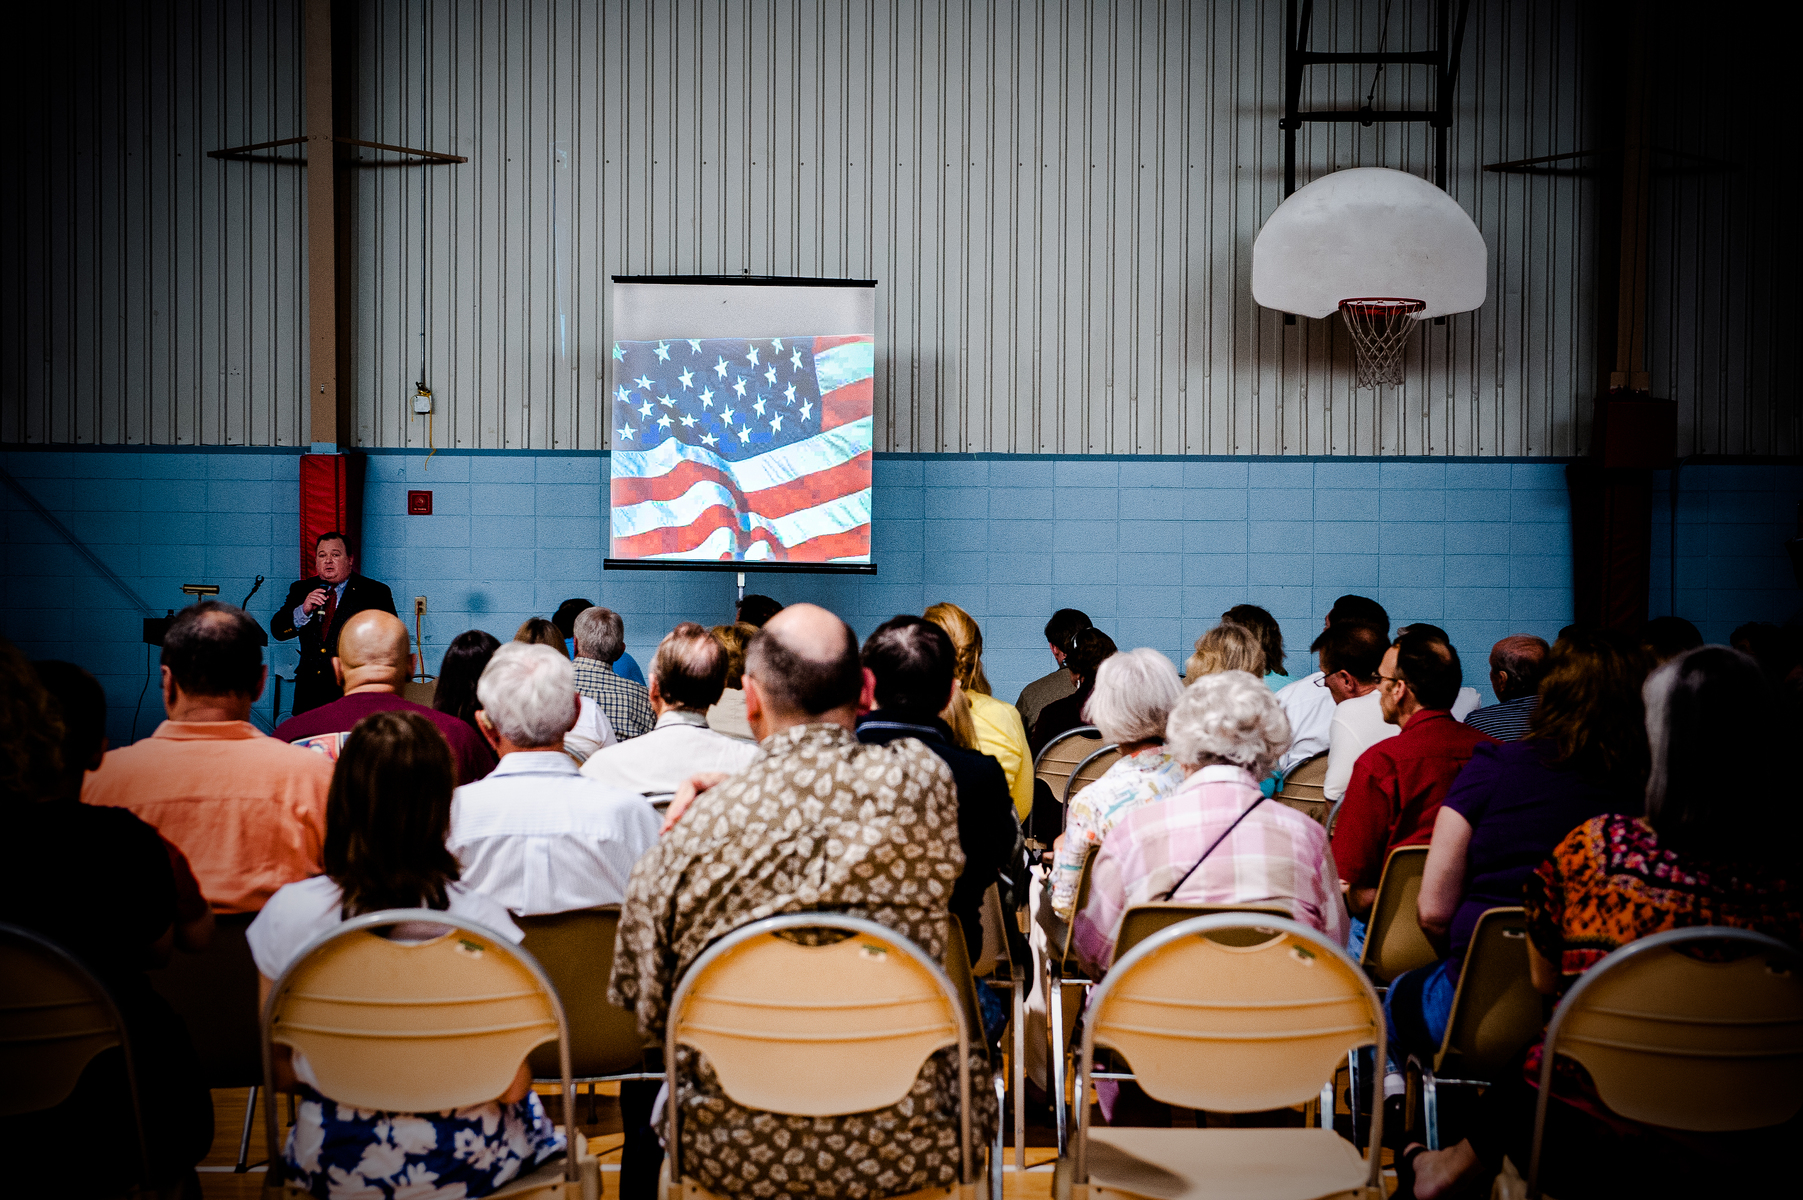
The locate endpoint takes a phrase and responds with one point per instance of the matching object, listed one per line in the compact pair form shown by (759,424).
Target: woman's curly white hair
(1230,717)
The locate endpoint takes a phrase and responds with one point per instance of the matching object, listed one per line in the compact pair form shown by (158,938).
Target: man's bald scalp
(374,637)
(805,660)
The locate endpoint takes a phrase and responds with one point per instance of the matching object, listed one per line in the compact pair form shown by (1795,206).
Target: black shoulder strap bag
(1212,846)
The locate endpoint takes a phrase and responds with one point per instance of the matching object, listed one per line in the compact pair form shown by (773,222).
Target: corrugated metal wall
(151,294)
(1059,200)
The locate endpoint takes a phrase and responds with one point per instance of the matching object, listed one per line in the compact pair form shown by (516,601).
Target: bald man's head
(373,652)
(805,662)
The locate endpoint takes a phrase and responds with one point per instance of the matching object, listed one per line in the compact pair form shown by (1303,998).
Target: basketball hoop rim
(1381,305)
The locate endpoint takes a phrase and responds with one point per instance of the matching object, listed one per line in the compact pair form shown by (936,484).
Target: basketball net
(1380,326)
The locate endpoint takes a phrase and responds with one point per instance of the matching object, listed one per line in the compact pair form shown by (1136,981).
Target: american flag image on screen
(725,448)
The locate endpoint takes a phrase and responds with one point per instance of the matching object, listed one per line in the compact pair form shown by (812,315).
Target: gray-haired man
(600,637)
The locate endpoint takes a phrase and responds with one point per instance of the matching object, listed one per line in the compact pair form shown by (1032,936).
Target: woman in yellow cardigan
(1000,733)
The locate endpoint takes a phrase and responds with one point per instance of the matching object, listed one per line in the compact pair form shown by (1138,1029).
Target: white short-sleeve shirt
(301,912)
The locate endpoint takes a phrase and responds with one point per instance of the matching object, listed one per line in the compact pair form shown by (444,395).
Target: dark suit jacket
(988,831)
(314,684)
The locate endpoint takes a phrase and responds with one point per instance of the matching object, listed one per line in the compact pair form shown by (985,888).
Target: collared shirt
(1309,706)
(679,746)
(728,716)
(1508,721)
(592,731)
(1275,855)
(539,838)
(627,704)
(249,812)
(1395,793)
(1137,779)
(313,727)
(302,616)
(1358,724)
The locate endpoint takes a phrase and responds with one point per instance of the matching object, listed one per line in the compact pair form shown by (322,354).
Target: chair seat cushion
(1249,1164)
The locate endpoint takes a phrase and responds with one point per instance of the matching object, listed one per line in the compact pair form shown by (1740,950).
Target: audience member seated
(600,641)
(455,691)
(821,822)
(1307,702)
(687,675)
(911,661)
(1226,647)
(535,836)
(1132,700)
(1468,699)
(373,657)
(1584,755)
(1352,657)
(1000,732)
(1397,785)
(1516,664)
(594,728)
(1216,839)
(1704,854)
(1269,633)
(247,810)
(755,610)
(385,848)
(1085,656)
(1065,624)
(101,884)
(565,620)
(727,715)
(1667,637)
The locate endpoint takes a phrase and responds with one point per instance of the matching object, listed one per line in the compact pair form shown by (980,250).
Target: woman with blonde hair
(1000,733)
(1226,647)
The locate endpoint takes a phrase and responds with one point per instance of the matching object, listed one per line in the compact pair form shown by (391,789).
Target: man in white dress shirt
(1350,657)
(688,673)
(535,835)
(1308,702)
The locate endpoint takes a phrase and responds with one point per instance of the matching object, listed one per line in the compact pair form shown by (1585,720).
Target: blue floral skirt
(344,1153)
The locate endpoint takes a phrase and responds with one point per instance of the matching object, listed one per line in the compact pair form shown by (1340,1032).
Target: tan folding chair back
(958,970)
(1143,920)
(54,1018)
(576,949)
(1674,1036)
(1496,1012)
(815,1031)
(1229,1028)
(413,1026)
(1091,769)
(1305,788)
(1063,754)
(1394,942)
(1084,874)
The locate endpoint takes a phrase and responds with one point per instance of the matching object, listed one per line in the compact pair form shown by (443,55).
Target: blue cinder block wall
(1153,549)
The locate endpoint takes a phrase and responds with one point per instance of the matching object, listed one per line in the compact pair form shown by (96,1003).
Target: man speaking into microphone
(317,608)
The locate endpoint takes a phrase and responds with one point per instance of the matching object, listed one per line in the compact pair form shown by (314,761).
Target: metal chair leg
(250,1111)
(1352,1096)
(1324,1118)
(996,1155)
(1020,1070)
(1430,1107)
(1054,1067)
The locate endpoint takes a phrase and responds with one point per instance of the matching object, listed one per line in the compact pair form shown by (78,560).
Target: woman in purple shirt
(1585,754)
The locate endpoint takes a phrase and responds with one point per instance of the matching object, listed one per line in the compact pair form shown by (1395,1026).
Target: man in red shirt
(1397,785)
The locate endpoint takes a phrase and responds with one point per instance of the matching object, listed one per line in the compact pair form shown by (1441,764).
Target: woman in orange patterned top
(1706,853)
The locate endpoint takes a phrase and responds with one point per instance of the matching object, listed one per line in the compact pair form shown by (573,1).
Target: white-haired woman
(1216,839)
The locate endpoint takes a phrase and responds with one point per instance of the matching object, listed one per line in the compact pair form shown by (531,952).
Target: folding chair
(1091,769)
(1003,972)
(1678,1041)
(959,969)
(215,994)
(817,1030)
(1143,920)
(576,949)
(1304,788)
(1496,1014)
(55,1018)
(1062,971)
(1394,942)
(1060,757)
(422,1027)
(1208,1022)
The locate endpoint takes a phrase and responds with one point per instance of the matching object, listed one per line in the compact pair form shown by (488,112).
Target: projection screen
(741,420)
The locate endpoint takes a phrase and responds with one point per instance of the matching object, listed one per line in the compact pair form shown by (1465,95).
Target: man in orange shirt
(248,811)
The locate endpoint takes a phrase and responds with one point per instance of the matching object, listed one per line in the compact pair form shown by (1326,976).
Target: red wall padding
(331,497)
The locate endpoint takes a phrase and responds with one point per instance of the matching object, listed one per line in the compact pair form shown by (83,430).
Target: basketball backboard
(1369,231)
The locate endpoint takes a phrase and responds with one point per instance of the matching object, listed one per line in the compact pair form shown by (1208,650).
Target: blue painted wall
(1153,549)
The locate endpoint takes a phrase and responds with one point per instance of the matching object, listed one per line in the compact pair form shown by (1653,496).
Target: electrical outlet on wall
(419,606)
